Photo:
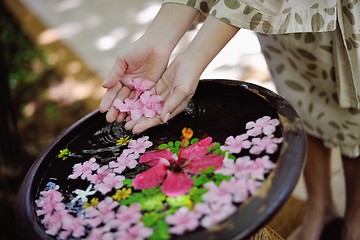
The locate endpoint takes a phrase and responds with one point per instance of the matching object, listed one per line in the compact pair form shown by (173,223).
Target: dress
(313,52)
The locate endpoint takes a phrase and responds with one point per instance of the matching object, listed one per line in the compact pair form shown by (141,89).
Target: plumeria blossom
(72,226)
(172,171)
(129,215)
(264,125)
(240,168)
(82,195)
(269,144)
(139,145)
(85,169)
(49,201)
(235,144)
(136,232)
(260,167)
(183,220)
(141,85)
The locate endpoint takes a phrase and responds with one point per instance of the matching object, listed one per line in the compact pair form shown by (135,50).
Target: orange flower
(187,134)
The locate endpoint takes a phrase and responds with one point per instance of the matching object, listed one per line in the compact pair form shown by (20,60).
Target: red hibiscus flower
(174,172)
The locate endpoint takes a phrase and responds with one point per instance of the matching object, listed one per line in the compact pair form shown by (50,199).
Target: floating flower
(135,232)
(235,144)
(183,220)
(123,161)
(49,201)
(102,213)
(269,144)
(123,141)
(109,182)
(173,171)
(85,169)
(214,212)
(64,154)
(122,194)
(264,125)
(260,167)
(129,215)
(82,195)
(93,203)
(219,194)
(139,145)
(99,175)
(240,168)
(72,226)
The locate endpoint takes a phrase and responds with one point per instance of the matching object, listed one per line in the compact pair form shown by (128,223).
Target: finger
(116,73)
(147,123)
(109,97)
(173,102)
(113,113)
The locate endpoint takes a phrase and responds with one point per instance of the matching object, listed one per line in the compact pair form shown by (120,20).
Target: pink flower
(53,222)
(129,215)
(214,212)
(130,106)
(260,167)
(123,161)
(267,143)
(109,182)
(234,145)
(139,145)
(141,85)
(238,168)
(100,174)
(136,232)
(103,212)
(85,169)
(49,202)
(173,171)
(182,220)
(264,125)
(219,194)
(151,104)
(72,226)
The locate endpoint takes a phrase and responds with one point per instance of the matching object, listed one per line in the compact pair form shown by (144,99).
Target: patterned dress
(313,52)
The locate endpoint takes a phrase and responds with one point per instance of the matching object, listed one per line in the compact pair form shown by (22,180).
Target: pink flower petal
(152,158)
(152,177)
(176,184)
(203,162)
(198,149)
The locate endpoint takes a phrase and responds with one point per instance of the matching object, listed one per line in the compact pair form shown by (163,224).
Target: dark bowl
(219,108)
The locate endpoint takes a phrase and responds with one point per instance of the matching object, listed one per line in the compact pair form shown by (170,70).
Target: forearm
(170,24)
(211,38)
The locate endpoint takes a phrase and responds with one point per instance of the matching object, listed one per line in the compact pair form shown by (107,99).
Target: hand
(176,86)
(142,59)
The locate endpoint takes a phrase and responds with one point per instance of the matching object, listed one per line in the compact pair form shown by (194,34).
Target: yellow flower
(189,203)
(93,203)
(64,154)
(122,194)
(123,141)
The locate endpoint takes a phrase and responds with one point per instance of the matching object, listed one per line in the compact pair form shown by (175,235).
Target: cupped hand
(176,86)
(142,59)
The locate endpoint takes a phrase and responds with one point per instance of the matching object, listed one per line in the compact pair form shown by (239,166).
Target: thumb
(116,73)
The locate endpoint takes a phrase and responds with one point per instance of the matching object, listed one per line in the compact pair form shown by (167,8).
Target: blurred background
(54,55)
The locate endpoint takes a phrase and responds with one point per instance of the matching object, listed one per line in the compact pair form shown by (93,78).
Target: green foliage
(149,199)
(196,194)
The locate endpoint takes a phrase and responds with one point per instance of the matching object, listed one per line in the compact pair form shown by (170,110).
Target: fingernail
(166,118)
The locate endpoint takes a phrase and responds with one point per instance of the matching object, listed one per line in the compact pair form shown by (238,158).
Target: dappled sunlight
(70,90)
(65,5)
(147,15)
(109,41)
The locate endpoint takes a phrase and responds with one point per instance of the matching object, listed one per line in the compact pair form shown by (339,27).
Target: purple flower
(234,145)
(264,125)
(85,169)
(183,220)
(267,143)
